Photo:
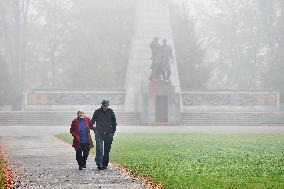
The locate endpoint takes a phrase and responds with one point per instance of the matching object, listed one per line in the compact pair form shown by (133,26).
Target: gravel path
(47,162)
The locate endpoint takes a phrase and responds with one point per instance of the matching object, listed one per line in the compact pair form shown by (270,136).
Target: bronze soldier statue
(166,58)
(156,59)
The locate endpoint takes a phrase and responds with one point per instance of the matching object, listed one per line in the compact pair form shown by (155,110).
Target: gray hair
(79,111)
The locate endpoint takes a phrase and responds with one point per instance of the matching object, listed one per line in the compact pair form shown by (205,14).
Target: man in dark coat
(104,128)
(82,142)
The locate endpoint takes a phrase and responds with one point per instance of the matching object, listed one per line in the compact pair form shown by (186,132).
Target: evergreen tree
(99,45)
(193,73)
(7,92)
(274,79)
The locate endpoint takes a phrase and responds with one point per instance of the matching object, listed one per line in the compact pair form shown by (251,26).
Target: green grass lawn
(202,160)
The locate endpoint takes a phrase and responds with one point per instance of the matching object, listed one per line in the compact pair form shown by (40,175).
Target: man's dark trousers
(82,154)
(103,146)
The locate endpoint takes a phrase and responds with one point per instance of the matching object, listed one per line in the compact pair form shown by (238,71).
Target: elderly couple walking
(103,123)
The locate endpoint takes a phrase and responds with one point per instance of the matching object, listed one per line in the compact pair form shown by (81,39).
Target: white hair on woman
(80,111)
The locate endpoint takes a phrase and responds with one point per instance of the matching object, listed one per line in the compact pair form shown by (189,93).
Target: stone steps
(232,118)
(56,118)
(64,118)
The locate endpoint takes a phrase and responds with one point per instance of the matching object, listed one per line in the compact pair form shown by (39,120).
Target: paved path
(46,162)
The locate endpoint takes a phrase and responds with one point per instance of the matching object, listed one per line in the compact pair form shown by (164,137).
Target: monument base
(160,104)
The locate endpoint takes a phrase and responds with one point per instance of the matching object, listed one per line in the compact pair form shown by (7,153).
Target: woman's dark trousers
(82,154)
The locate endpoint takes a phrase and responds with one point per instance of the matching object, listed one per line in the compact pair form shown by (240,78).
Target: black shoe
(84,166)
(104,167)
(100,168)
(80,167)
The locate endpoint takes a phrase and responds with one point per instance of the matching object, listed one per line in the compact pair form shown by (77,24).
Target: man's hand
(92,127)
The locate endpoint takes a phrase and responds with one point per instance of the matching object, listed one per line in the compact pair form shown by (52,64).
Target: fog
(175,93)
(103,46)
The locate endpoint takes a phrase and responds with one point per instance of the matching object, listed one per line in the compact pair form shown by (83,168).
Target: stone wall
(231,100)
(70,100)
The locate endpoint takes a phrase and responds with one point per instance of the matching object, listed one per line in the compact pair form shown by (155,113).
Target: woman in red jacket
(82,142)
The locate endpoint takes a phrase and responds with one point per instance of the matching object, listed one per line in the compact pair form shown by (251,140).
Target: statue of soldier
(156,59)
(166,58)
